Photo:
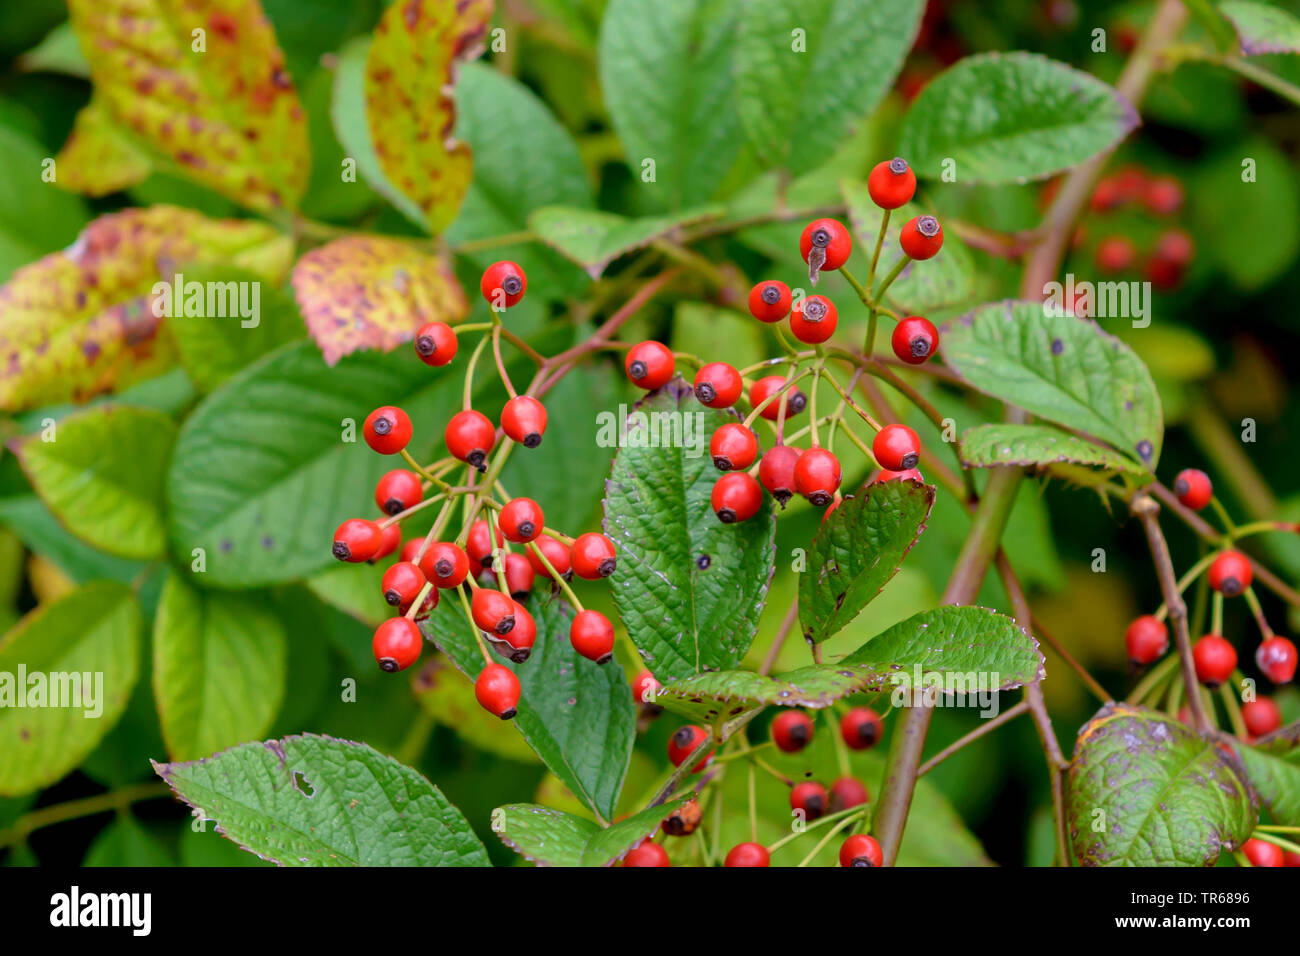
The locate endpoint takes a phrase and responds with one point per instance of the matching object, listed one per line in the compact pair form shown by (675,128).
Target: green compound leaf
(1273,769)
(593,239)
(554,838)
(807,74)
(1011,117)
(94,630)
(1146,791)
(1001,443)
(1262,28)
(316,801)
(857,550)
(103,475)
(689,588)
(667,79)
(1061,368)
(577,715)
(218,668)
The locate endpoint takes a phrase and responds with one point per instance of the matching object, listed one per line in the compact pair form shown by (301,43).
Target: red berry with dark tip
(914,340)
(847,792)
(1147,639)
(1261,716)
(521,520)
(747,854)
(861,850)
(922,237)
(387,430)
(891,184)
(592,636)
(593,556)
(646,854)
(684,742)
(1276,658)
(398,490)
(733,446)
(811,798)
(825,245)
(813,319)
(760,391)
(517,644)
(1215,660)
(436,343)
(792,730)
(896,447)
(776,472)
(817,476)
(503,284)
(649,365)
(357,539)
(470,436)
(446,565)
(396,644)
(524,420)
(497,691)
(737,496)
(718,385)
(519,576)
(492,611)
(861,728)
(1230,573)
(769,301)
(1193,488)
(402,583)
(556,552)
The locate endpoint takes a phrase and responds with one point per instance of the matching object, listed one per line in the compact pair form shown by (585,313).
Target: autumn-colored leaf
(365,292)
(410,72)
(80,322)
(98,157)
(204,83)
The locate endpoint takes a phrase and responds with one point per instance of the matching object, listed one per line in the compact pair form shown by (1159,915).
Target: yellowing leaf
(98,157)
(204,83)
(79,323)
(365,292)
(410,72)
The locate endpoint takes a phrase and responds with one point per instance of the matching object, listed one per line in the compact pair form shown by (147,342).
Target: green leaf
(1061,368)
(554,838)
(213,348)
(1146,791)
(35,217)
(925,287)
(102,476)
(988,446)
(218,668)
(1009,117)
(577,715)
(593,239)
(1262,28)
(666,73)
(690,589)
(1273,770)
(309,800)
(94,630)
(98,157)
(857,550)
(723,696)
(847,59)
(972,642)
(124,842)
(262,474)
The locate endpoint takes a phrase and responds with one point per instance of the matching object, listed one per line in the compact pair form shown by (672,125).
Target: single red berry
(1229,573)
(402,583)
(685,820)
(684,742)
(524,420)
(817,476)
(760,391)
(436,343)
(1290,859)
(1106,195)
(1163,195)
(1215,660)
(737,496)
(497,690)
(387,430)
(896,447)
(1262,853)
(1276,658)
(411,548)
(519,576)
(847,792)
(470,436)
(503,284)
(646,853)
(649,365)
(792,730)
(718,385)
(811,798)
(1147,639)
(1193,488)
(593,556)
(521,520)
(825,245)
(644,688)
(517,645)
(861,728)
(861,850)
(747,854)
(478,544)
(398,490)
(776,472)
(1116,253)
(389,541)
(1169,260)
(914,340)
(910,474)
(892,184)
(396,644)
(813,319)
(921,238)
(733,446)
(592,636)
(769,301)
(1261,716)
(556,552)
(357,539)
(492,611)
(446,565)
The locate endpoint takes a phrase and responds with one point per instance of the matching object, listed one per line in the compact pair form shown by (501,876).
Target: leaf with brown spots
(80,322)
(410,72)
(366,292)
(722,696)
(228,116)
(98,158)
(1144,790)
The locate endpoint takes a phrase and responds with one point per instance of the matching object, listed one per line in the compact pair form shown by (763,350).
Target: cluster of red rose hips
(490,579)
(1228,572)
(784,470)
